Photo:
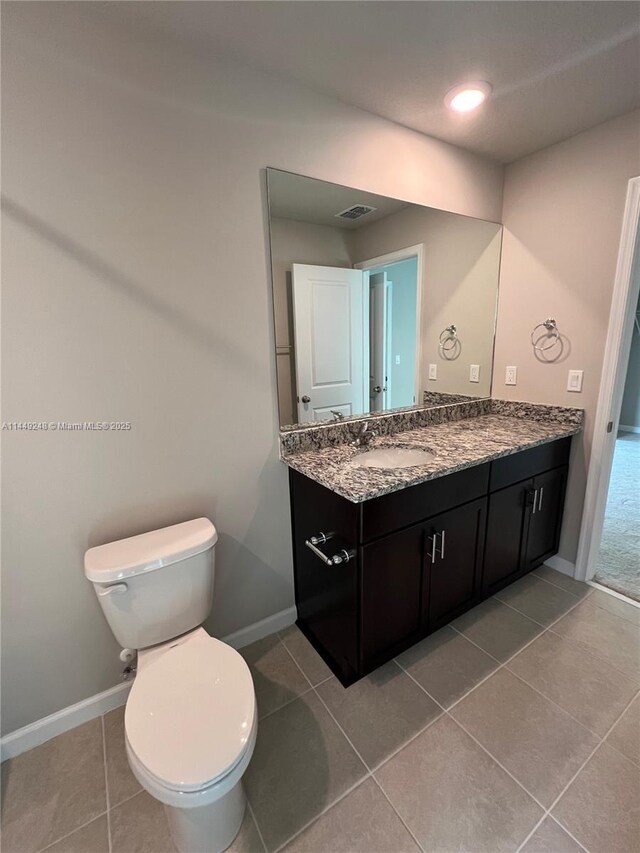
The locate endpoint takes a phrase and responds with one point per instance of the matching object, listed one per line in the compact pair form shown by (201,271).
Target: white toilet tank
(157,585)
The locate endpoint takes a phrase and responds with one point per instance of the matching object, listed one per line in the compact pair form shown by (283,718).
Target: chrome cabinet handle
(535,499)
(540,498)
(343,556)
(432,539)
(434,547)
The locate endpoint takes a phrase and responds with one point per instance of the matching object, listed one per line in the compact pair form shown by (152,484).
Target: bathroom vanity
(384,557)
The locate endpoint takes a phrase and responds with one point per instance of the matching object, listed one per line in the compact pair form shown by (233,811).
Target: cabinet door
(546,517)
(454,543)
(506,535)
(391,595)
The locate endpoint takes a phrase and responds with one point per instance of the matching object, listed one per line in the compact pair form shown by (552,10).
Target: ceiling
(309,200)
(557,68)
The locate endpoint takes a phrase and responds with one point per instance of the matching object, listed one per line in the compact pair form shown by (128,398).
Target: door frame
(614,370)
(416,251)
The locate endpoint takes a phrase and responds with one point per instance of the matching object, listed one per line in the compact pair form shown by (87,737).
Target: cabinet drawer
(528,463)
(408,506)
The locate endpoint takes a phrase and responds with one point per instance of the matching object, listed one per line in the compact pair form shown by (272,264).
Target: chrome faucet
(363,439)
(337,416)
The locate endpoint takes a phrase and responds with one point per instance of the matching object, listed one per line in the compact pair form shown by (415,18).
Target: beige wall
(459,286)
(562,214)
(136,287)
(297,243)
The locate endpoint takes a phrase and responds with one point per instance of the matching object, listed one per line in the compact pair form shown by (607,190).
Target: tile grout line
(345,793)
(284,704)
(492,757)
(255,823)
(324,811)
(575,776)
(106,781)
(502,664)
(370,771)
(369,775)
(68,834)
(559,707)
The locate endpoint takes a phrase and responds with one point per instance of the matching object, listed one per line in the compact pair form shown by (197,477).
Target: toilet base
(211,828)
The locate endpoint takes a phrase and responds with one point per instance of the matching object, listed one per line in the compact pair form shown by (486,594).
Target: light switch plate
(474,373)
(574,382)
(511,376)
(433,371)
(397,359)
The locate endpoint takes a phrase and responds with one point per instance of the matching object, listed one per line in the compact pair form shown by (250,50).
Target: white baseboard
(261,629)
(625,428)
(68,718)
(561,565)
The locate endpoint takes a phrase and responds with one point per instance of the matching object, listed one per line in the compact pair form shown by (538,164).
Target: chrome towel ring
(551,333)
(449,338)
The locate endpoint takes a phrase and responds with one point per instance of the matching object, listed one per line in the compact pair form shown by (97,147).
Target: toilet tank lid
(149,551)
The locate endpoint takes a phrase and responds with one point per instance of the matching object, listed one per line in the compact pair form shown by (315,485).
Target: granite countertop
(457,445)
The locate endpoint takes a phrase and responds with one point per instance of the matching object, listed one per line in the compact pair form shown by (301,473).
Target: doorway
(394,328)
(609,549)
(618,562)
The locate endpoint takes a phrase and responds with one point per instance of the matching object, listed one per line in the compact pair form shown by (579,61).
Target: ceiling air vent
(355,211)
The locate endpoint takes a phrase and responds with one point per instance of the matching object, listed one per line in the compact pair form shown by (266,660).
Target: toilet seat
(190,719)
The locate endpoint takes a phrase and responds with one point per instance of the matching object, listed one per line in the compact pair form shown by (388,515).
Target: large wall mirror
(379,304)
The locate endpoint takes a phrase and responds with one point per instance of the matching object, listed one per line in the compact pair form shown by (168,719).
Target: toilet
(190,719)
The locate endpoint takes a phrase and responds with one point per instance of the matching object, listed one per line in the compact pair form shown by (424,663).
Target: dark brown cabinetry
(372,579)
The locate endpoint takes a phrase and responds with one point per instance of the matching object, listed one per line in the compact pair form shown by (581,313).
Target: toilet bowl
(190,728)
(190,719)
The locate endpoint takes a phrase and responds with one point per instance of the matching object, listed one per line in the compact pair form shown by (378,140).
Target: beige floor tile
(497,629)
(276,678)
(601,808)
(247,840)
(541,601)
(140,826)
(452,795)
(577,588)
(363,822)
(549,837)
(121,782)
(92,838)
(306,656)
(447,665)
(301,764)
(625,735)
(585,686)
(381,712)
(614,640)
(534,740)
(53,789)
(614,605)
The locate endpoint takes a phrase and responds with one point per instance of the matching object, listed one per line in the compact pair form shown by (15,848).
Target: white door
(379,330)
(329,316)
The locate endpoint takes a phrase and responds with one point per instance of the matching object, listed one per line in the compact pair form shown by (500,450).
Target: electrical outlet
(433,371)
(511,376)
(397,359)
(574,382)
(474,373)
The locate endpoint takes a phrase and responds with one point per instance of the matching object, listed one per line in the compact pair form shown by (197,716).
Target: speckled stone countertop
(456,445)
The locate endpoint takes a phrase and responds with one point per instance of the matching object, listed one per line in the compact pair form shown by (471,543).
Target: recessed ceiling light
(468,96)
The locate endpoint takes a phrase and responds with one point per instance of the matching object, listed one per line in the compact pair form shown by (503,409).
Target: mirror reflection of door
(329,314)
(379,344)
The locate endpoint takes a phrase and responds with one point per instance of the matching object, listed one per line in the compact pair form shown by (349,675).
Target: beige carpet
(619,559)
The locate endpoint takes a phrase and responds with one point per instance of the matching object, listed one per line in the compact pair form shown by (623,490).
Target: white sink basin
(393,457)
